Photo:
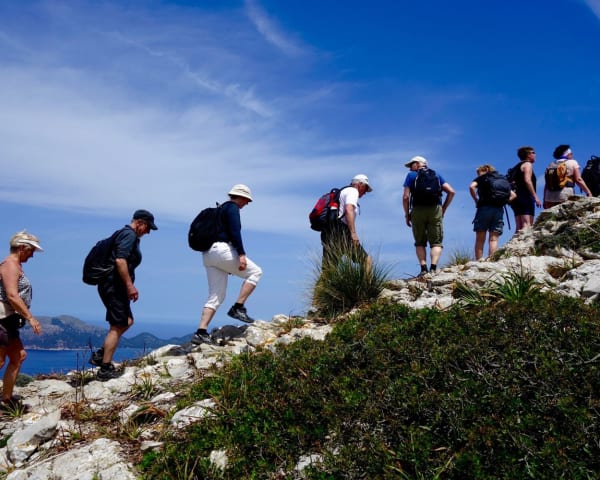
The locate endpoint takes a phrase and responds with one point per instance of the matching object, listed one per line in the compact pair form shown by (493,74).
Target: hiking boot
(97,357)
(200,338)
(240,314)
(108,372)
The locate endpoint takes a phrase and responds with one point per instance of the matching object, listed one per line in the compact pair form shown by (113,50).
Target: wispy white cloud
(594,5)
(169,111)
(272,32)
(245,97)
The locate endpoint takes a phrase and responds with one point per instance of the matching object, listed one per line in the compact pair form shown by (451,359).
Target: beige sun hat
(241,190)
(419,159)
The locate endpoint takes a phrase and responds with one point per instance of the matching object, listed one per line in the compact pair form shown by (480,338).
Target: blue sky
(111,106)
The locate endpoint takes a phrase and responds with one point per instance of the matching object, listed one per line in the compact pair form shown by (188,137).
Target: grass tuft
(340,286)
(459,256)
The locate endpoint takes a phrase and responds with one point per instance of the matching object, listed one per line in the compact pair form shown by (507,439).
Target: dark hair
(558,151)
(523,152)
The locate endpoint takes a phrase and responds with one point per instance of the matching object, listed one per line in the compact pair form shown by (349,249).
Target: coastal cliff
(65,332)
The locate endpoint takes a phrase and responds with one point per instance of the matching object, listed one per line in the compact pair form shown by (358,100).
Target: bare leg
(16,356)
(518,222)
(479,241)
(111,342)
(527,221)
(207,316)
(493,243)
(421,255)
(369,264)
(245,291)
(436,253)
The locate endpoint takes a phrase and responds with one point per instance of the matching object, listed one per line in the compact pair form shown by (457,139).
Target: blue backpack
(495,189)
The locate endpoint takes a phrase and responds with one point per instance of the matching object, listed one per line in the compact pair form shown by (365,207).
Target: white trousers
(221,261)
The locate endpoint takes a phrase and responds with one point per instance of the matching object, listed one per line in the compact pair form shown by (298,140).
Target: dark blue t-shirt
(232,226)
(127,246)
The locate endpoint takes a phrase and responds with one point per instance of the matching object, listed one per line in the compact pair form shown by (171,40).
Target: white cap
(421,160)
(361,178)
(241,190)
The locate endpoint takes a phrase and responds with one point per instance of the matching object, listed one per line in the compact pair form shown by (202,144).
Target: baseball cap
(421,160)
(360,178)
(145,216)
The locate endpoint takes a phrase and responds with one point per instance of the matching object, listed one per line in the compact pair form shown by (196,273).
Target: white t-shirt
(348,196)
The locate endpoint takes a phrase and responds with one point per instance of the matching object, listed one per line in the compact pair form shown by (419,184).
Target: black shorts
(114,296)
(524,204)
(9,327)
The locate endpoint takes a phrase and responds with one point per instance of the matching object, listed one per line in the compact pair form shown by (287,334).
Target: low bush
(571,237)
(469,393)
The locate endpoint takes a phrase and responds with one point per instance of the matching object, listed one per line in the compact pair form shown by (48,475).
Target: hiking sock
(237,306)
(433,267)
(106,366)
(423,268)
(201,331)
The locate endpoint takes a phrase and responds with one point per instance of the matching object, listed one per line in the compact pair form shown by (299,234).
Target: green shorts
(427,226)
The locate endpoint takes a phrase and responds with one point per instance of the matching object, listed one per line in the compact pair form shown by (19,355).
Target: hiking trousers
(220,261)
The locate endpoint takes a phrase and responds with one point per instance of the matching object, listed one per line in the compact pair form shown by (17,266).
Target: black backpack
(98,263)
(591,175)
(205,228)
(495,189)
(511,175)
(427,188)
(325,211)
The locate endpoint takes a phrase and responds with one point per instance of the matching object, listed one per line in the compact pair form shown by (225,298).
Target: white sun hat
(241,190)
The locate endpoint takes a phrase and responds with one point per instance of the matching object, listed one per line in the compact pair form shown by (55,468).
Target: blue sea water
(63,361)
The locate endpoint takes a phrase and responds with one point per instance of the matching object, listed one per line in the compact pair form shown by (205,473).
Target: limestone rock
(82,463)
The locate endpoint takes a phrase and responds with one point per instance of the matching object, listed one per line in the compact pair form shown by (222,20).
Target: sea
(63,361)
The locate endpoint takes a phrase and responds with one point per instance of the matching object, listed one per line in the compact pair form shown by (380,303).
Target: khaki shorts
(427,225)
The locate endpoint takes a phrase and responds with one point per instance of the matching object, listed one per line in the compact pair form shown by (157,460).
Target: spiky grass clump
(459,256)
(343,284)
(512,286)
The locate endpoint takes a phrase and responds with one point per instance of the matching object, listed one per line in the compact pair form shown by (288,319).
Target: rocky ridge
(63,435)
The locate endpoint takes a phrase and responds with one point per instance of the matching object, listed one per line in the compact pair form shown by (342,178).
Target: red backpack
(325,211)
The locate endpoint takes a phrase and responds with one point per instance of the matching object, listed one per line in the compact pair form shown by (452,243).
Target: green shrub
(480,393)
(571,237)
